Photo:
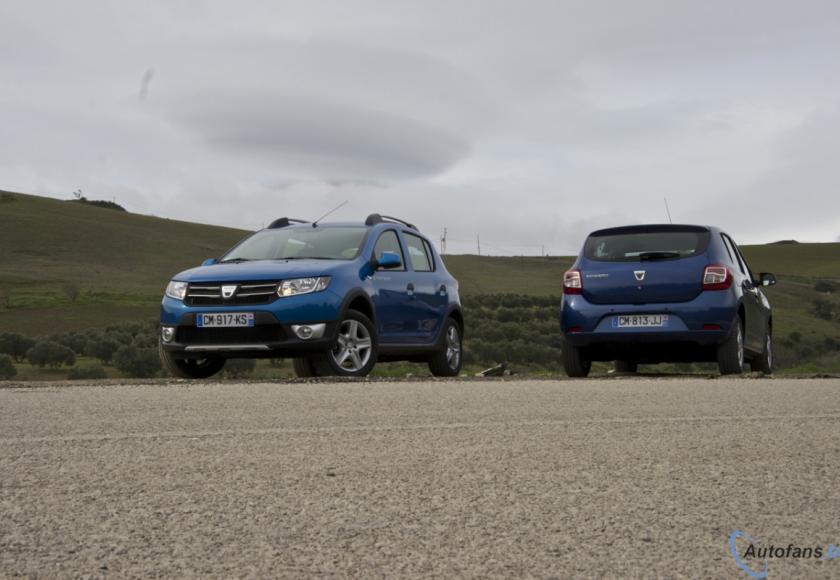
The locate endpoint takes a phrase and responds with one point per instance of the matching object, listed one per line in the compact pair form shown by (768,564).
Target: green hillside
(67,266)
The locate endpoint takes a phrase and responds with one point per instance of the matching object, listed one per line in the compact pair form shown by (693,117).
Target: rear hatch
(644,264)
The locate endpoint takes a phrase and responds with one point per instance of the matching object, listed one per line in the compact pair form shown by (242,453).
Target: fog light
(167,333)
(309,331)
(304,332)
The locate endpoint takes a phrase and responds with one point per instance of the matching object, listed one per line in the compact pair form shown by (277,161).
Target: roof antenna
(315,223)
(667,210)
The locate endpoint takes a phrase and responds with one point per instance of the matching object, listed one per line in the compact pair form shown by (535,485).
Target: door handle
(410,289)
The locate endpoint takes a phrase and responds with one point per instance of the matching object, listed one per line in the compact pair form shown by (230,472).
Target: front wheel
(446,362)
(355,350)
(304,368)
(626,366)
(190,368)
(730,354)
(764,362)
(575,363)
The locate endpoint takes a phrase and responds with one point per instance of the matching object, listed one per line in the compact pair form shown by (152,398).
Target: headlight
(176,290)
(302,286)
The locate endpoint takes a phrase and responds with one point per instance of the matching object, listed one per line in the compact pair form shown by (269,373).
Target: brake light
(572,282)
(716,278)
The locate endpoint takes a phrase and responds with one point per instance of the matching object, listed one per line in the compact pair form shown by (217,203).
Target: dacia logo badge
(228,291)
(640,274)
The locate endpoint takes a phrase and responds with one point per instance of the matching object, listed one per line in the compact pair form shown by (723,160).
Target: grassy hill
(118,263)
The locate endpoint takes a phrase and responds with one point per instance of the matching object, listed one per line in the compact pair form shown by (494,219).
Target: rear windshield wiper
(658,255)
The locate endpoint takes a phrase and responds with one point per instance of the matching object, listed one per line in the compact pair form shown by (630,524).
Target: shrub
(825,286)
(91,371)
(237,368)
(73,340)
(71,290)
(52,354)
(7,367)
(823,309)
(15,345)
(102,347)
(137,362)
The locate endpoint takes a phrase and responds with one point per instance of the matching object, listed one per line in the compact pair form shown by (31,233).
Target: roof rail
(375,218)
(285,222)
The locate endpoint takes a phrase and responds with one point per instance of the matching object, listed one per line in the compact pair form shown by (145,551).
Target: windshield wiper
(658,255)
(235,260)
(308,258)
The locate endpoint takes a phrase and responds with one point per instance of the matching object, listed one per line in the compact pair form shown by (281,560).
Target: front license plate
(225,319)
(640,321)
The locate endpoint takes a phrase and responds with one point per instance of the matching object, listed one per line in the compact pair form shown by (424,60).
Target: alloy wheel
(353,347)
(453,347)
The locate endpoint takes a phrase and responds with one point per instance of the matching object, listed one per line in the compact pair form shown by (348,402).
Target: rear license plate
(640,321)
(224,319)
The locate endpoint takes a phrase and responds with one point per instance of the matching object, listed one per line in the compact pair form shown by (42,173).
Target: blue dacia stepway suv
(336,297)
(664,293)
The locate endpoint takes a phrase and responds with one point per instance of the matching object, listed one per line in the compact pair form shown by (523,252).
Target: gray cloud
(323,138)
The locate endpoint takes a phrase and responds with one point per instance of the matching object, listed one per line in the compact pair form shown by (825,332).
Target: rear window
(623,245)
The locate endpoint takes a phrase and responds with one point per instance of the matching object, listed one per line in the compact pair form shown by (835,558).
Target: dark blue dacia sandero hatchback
(664,293)
(336,297)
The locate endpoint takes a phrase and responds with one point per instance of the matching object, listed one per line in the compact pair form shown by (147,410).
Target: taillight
(717,278)
(572,282)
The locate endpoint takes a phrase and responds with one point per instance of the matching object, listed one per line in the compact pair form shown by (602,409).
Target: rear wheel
(446,362)
(355,350)
(575,363)
(626,366)
(730,354)
(190,368)
(764,362)
(304,367)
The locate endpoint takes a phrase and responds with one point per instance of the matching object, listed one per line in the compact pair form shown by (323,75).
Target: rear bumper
(705,321)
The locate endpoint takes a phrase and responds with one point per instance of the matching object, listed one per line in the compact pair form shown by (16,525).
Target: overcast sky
(527,123)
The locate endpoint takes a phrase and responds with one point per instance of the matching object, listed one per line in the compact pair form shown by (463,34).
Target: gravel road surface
(551,479)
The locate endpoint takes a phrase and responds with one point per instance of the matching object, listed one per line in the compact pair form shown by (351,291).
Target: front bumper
(272,335)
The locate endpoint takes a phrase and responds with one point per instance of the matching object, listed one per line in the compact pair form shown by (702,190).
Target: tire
(446,362)
(190,368)
(764,362)
(730,353)
(304,368)
(626,366)
(574,363)
(355,350)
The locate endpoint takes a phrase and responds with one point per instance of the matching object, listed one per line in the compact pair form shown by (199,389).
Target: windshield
(641,246)
(339,243)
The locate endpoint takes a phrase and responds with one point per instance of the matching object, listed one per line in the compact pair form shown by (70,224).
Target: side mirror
(766,279)
(387,261)
(209,262)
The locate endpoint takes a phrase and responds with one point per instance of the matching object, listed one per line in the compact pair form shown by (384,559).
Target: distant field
(120,262)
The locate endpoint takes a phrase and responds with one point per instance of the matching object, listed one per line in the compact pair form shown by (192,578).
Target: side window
(431,255)
(728,251)
(389,242)
(741,257)
(418,253)
(737,255)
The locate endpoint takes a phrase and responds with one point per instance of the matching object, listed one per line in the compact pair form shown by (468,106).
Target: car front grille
(260,334)
(246,294)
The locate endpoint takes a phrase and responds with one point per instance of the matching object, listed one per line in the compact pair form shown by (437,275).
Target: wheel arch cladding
(360,303)
(458,317)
